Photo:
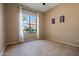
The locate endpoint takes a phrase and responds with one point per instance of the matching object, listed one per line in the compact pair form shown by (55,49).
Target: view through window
(30,23)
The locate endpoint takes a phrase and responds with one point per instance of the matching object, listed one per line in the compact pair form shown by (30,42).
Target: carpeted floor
(41,48)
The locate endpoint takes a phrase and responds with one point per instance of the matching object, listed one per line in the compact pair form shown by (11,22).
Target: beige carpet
(41,48)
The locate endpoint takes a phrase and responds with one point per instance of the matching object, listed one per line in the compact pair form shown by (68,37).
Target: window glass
(29,23)
(33,19)
(33,23)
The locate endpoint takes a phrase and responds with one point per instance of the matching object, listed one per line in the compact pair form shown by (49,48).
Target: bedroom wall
(41,25)
(69,30)
(2,28)
(12,23)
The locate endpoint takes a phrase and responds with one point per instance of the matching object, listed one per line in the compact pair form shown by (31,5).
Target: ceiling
(40,6)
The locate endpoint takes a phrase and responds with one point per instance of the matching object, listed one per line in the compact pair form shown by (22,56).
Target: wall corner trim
(2,51)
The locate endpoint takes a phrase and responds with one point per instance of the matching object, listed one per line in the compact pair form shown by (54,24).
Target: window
(30,23)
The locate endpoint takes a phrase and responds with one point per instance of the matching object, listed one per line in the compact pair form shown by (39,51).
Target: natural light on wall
(37,25)
(21,36)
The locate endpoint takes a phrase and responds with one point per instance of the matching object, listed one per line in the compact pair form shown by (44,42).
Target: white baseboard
(62,42)
(5,47)
(2,51)
(11,43)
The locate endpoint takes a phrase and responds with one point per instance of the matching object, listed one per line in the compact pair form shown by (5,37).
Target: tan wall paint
(2,29)
(12,23)
(68,31)
(41,25)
